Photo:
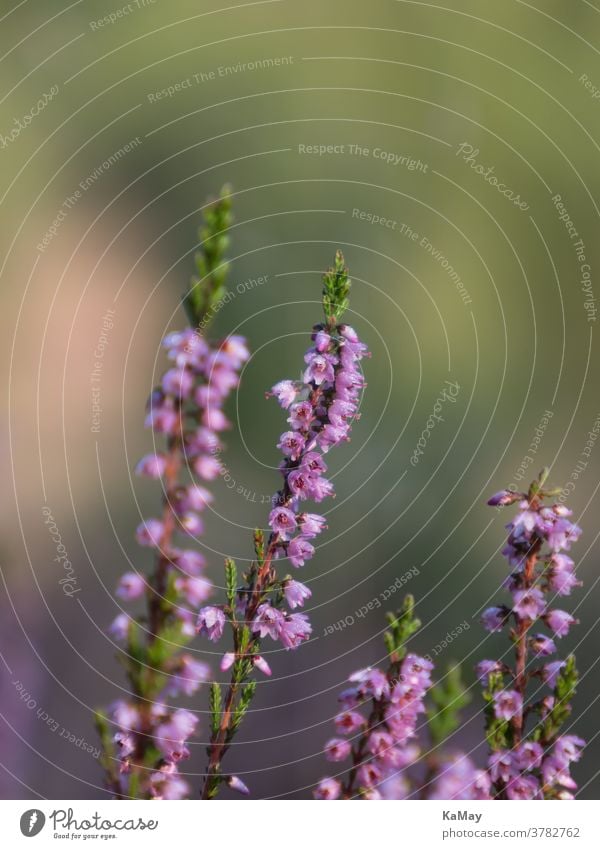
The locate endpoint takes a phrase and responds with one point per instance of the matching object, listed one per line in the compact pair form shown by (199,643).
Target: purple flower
(211,622)
(300,484)
(528,604)
(120,627)
(504,498)
(285,391)
(567,749)
(501,765)
(152,466)
(294,629)
(372,683)
(301,415)
(529,755)
(178,382)
(295,593)
(282,522)
(167,784)
(331,435)
(349,722)
(310,524)
(268,621)
(550,672)
(195,590)
(494,618)
(313,463)
(542,645)
(261,664)
(299,551)
(507,703)
(337,749)
(559,621)
(206,467)
(328,788)
(319,369)
(523,787)
(291,444)
(150,533)
(189,676)
(485,668)
(235,783)
(131,586)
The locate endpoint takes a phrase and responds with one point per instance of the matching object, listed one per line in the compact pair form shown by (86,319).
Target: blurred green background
(146,116)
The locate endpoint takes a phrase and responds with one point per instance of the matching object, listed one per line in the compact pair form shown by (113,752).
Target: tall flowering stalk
(378,720)
(186,413)
(321,408)
(530,758)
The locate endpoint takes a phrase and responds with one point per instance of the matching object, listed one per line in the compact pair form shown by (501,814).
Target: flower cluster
(187,409)
(380,743)
(533,764)
(321,408)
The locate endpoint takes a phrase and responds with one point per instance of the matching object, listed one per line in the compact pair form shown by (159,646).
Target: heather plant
(529,702)
(144,737)
(321,407)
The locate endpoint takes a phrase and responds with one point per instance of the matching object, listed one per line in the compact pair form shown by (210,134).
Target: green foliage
(564,690)
(259,546)
(448,700)
(242,706)
(336,289)
(208,286)
(215,707)
(403,625)
(231,583)
(496,730)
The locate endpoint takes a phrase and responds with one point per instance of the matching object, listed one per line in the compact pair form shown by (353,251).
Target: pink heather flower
(195,590)
(567,749)
(562,575)
(523,787)
(291,444)
(322,341)
(528,604)
(313,463)
(295,593)
(119,628)
(171,735)
(507,703)
(349,722)
(282,521)
(189,562)
(235,783)
(381,744)
(285,391)
(501,765)
(337,749)
(211,621)
(299,551)
(189,676)
(416,672)
(319,369)
(371,682)
(150,532)
(236,349)
(340,412)
(369,774)
(300,484)
(215,419)
(553,772)
(202,441)
(494,618)
(124,743)
(319,488)
(196,497)
(301,415)
(328,788)
(152,466)
(191,524)
(268,621)
(550,672)
(310,524)
(227,661)
(207,467)
(294,629)
(503,498)
(178,382)
(563,533)
(559,621)
(542,645)
(125,715)
(261,664)
(331,435)
(131,586)
(529,755)
(162,419)
(168,786)
(485,668)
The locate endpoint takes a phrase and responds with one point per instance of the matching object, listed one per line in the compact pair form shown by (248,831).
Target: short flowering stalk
(321,408)
(377,726)
(532,764)
(186,410)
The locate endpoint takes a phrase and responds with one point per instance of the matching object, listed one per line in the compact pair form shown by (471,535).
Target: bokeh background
(489,295)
